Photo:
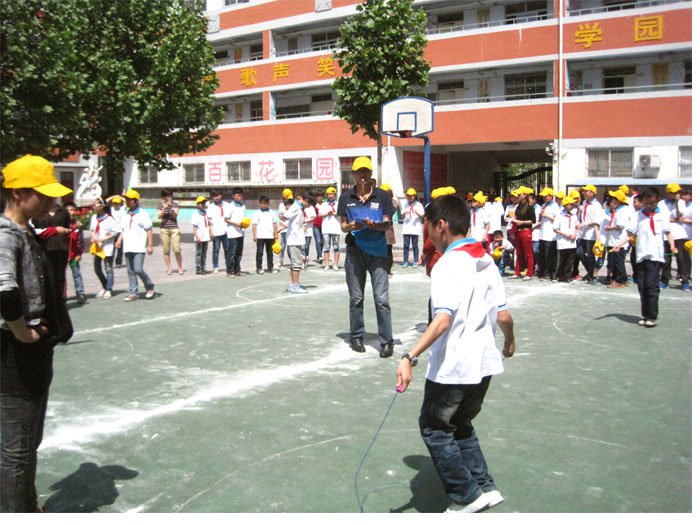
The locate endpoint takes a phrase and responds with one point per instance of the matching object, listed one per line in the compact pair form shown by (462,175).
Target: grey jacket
(21,267)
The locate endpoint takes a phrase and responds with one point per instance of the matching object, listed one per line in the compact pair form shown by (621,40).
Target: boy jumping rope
(468,301)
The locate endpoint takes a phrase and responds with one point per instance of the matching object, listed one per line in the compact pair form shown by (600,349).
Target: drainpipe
(562,91)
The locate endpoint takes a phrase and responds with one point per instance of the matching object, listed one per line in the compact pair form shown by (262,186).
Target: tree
(136,79)
(380,53)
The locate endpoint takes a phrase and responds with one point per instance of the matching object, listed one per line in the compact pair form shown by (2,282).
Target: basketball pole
(426,166)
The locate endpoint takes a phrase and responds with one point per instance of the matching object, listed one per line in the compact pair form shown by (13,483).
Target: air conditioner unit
(649,161)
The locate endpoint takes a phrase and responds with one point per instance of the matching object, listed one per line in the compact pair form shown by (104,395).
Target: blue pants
(234,255)
(77,278)
(134,269)
(407,241)
(446,427)
(200,256)
(107,281)
(584,251)
(216,247)
(318,240)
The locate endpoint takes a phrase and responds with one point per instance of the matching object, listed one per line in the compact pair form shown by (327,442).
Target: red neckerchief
(97,227)
(475,249)
(650,214)
(221,208)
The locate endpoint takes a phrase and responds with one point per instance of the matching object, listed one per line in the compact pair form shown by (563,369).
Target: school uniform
(135,226)
(102,227)
(412,213)
(479,221)
(675,210)
(565,224)
(217,213)
(236,238)
(200,224)
(616,260)
(309,218)
(590,216)
(264,222)
(548,240)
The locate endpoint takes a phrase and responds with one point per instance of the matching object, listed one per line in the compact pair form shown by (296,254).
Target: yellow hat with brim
(132,194)
(624,188)
(619,195)
(115,200)
(547,191)
(362,162)
(449,190)
(499,199)
(201,199)
(568,200)
(517,191)
(331,189)
(36,173)
(385,187)
(527,190)
(437,192)
(560,194)
(673,188)
(590,187)
(411,191)
(574,194)
(479,197)
(287,194)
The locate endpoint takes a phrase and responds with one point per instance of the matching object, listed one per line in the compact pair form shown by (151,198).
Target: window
(526,86)
(256,52)
(194,173)
(292,45)
(325,40)
(256,110)
(297,169)
(685,162)
(450,90)
(616,79)
(347,179)
(688,74)
(526,10)
(299,111)
(234,2)
(238,171)
(610,162)
(148,175)
(450,20)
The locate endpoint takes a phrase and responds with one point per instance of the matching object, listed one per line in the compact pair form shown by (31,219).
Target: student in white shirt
(479,219)
(330,227)
(202,236)
(565,227)
(548,213)
(309,216)
(674,207)
(217,211)
(648,226)
(590,211)
(137,239)
(235,233)
(502,251)
(468,303)
(616,219)
(412,212)
(495,209)
(105,231)
(117,211)
(295,243)
(532,198)
(282,224)
(264,234)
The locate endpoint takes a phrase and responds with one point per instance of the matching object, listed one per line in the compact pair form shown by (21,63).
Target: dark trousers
(446,427)
(548,259)
(633,262)
(264,244)
(682,262)
(200,255)
(648,286)
(119,255)
(565,267)
(616,266)
(58,260)
(217,242)
(584,251)
(233,259)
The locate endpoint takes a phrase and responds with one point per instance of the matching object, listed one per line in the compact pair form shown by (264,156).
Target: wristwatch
(411,359)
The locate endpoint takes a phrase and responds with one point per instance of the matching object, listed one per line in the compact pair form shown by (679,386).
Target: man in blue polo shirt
(365,215)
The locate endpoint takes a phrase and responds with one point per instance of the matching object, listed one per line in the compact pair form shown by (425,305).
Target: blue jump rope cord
(359,467)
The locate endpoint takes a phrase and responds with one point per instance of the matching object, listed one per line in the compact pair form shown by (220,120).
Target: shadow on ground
(426,487)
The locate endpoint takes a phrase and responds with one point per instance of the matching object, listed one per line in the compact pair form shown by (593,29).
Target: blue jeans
(446,427)
(108,280)
(357,264)
(584,252)
(134,268)
(307,246)
(77,278)
(407,241)
(235,254)
(200,255)
(318,240)
(506,259)
(216,247)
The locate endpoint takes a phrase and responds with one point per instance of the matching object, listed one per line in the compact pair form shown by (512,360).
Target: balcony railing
(303,114)
(627,89)
(232,61)
(238,120)
(618,7)
(491,23)
(498,98)
(326,46)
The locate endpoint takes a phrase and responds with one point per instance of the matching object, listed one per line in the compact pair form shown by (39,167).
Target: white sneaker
(650,323)
(107,295)
(326,268)
(101,293)
(335,267)
(479,504)
(150,294)
(216,270)
(495,498)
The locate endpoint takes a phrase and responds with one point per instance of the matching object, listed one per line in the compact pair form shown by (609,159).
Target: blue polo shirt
(377,205)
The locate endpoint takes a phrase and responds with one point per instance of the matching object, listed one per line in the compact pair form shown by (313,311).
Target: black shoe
(387,350)
(82,299)
(357,346)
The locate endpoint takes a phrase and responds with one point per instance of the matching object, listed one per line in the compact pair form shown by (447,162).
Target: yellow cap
(688,245)
(560,194)
(116,200)
(437,192)
(590,187)
(411,191)
(132,194)
(449,190)
(624,188)
(362,162)
(574,194)
(673,188)
(517,191)
(245,222)
(479,197)
(568,200)
(200,199)
(36,173)
(619,195)
(287,194)
(547,191)
(598,249)
(276,247)
(385,187)
(331,189)
(527,190)
(499,199)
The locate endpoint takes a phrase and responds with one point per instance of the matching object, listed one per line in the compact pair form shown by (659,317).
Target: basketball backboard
(407,117)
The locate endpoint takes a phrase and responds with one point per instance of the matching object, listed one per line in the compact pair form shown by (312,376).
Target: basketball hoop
(405,133)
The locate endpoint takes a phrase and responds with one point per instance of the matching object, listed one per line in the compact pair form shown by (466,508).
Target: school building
(595,91)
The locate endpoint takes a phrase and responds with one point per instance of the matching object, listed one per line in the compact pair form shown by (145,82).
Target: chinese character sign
(280,71)
(248,76)
(587,33)
(325,66)
(215,172)
(325,170)
(648,28)
(266,172)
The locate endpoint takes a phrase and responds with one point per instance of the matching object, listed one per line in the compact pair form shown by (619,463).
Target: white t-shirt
(669,209)
(472,292)
(536,230)
(135,228)
(620,218)
(107,226)
(688,214)
(118,215)
(479,222)
(506,245)
(309,216)
(236,214)
(282,221)
(200,223)
(508,215)
(548,214)
(331,223)
(217,214)
(566,223)
(650,243)
(413,222)
(589,215)
(495,210)
(264,222)
(295,225)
